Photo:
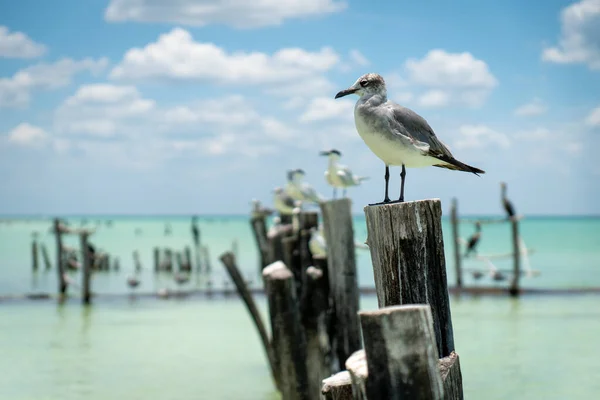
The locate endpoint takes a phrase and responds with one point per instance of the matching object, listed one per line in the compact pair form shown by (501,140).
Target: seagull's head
(333,153)
(367,85)
(297,175)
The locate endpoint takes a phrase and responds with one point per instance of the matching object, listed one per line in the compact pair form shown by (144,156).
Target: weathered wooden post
(34,252)
(289,342)
(188,258)
(156,259)
(86,266)
(514,285)
(60,267)
(168,263)
(228,260)
(207,265)
(259,229)
(456,243)
(401,353)
(341,263)
(46,257)
(356,365)
(407,252)
(337,387)
(136,261)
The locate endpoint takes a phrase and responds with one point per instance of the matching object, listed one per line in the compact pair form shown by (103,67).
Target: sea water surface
(535,347)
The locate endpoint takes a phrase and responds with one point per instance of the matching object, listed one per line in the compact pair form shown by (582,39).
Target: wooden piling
(156,256)
(207,265)
(228,260)
(356,365)
(60,267)
(456,243)
(34,254)
(407,252)
(314,304)
(259,229)
(86,265)
(168,260)
(337,387)
(188,258)
(451,376)
(341,262)
(289,342)
(514,285)
(136,261)
(401,353)
(46,257)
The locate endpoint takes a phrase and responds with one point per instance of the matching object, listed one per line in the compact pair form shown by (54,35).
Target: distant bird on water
(339,176)
(300,190)
(473,240)
(395,134)
(133,281)
(508,207)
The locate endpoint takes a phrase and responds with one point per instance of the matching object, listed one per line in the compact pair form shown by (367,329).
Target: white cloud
(593,118)
(441,69)
(18,45)
(434,98)
(535,107)
(479,137)
(236,13)
(450,79)
(537,134)
(574,148)
(175,55)
(325,108)
(28,135)
(580,35)
(16,91)
(358,58)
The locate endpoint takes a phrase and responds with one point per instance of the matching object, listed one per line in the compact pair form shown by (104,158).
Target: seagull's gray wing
(408,123)
(345,175)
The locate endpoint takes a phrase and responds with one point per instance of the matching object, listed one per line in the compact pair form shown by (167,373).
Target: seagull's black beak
(345,92)
(324,153)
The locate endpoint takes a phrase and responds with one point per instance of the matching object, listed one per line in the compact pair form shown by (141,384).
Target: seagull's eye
(364,83)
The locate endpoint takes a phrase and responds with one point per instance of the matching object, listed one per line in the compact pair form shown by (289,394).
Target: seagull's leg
(402,175)
(387,184)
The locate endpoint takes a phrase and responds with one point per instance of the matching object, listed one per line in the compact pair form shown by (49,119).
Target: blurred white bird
(316,243)
(340,176)
(283,202)
(299,190)
(258,210)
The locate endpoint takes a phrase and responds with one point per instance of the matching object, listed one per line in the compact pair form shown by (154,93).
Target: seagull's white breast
(389,147)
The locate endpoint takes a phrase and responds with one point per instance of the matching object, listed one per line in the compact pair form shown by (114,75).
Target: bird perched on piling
(395,134)
(283,202)
(506,204)
(473,240)
(299,190)
(316,243)
(339,176)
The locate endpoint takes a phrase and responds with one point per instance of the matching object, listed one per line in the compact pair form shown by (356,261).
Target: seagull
(299,190)
(510,210)
(258,210)
(395,134)
(283,202)
(339,176)
(473,240)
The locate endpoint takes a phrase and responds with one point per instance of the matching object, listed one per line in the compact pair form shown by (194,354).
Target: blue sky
(149,106)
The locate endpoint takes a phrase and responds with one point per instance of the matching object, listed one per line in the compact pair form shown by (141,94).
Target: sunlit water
(537,347)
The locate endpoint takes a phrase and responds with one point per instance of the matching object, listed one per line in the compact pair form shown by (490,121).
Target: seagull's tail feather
(454,164)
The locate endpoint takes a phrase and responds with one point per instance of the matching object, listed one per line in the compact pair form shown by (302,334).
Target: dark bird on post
(473,240)
(395,134)
(508,207)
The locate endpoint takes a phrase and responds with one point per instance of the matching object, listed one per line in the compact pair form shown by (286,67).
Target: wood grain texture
(407,252)
(289,341)
(60,266)
(341,263)
(401,353)
(259,229)
(451,376)
(337,387)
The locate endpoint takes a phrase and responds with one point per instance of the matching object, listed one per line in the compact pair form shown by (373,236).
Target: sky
(183,106)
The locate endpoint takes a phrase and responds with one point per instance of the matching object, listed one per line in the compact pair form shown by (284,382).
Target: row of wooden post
(409,342)
(514,288)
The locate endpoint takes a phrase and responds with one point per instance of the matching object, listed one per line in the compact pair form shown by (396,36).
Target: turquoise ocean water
(536,347)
